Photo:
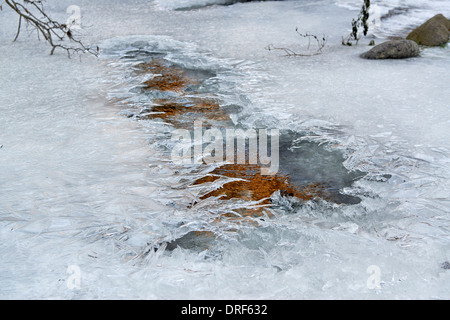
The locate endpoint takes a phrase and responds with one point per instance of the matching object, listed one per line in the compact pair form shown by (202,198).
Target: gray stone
(394,49)
(434,32)
(443,20)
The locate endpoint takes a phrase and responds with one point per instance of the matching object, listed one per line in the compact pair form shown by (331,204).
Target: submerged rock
(394,49)
(434,32)
(193,240)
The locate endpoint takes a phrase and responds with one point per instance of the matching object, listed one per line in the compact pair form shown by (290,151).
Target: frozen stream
(86,188)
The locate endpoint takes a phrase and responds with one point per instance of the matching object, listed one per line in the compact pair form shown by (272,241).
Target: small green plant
(362,21)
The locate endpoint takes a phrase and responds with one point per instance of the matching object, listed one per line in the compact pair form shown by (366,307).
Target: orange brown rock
(256,187)
(165,78)
(182,114)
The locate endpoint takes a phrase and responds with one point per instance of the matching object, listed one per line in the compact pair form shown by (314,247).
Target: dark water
(221,3)
(307,162)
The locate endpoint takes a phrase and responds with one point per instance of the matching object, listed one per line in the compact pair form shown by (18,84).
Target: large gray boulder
(394,49)
(434,32)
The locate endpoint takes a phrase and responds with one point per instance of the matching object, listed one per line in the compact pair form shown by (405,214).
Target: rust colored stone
(167,78)
(183,113)
(256,187)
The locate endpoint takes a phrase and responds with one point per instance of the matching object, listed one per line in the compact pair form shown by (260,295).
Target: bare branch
(56,34)
(291,53)
(18,28)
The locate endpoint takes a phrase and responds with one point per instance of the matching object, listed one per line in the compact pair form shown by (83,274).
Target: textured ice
(83,185)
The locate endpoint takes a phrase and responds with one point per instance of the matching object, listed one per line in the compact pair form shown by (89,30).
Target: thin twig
(291,53)
(18,28)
